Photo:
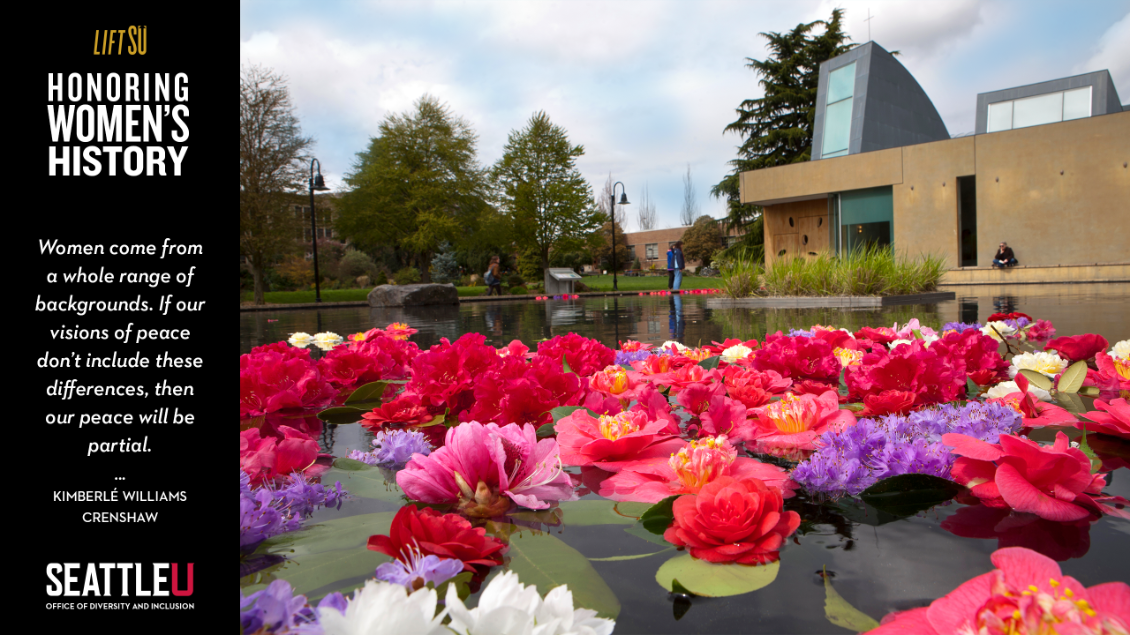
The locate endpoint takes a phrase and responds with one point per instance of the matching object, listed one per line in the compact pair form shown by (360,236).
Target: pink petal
(964,445)
(1022,567)
(955,609)
(1024,497)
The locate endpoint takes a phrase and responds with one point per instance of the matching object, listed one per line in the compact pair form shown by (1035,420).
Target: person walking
(677,257)
(494,277)
(670,266)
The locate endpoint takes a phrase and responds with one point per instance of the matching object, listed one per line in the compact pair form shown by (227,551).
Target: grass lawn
(647,283)
(299,297)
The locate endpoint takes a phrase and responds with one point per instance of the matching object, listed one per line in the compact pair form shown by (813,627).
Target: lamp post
(316,184)
(623,201)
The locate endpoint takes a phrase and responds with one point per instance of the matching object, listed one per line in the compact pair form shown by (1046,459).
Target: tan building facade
(1058,194)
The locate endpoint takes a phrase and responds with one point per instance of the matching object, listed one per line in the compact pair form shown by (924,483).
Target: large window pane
(841,83)
(1000,116)
(837,127)
(1034,111)
(1077,103)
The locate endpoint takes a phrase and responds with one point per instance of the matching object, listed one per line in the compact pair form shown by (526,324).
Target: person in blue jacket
(676,259)
(671,266)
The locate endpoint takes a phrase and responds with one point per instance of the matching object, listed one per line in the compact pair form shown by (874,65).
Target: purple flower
(960,326)
(800,333)
(267,512)
(394,448)
(873,449)
(626,358)
(276,609)
(419,570)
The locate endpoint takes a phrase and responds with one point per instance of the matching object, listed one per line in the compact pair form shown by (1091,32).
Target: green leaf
(908,494)
(565,364)
(638,531)
(437,420)
(1037,378)
(1090,391)
(328,556)
(627,368)
(635,557)
(842,614)
(715,580)
(972,390)
(561,412)
(659,516)
(548,562)
(843,388)
(1071,402)
(342,414)
(917,334)
(1072,378)
(1085,448)
(367,394)
(350,465)
(710,362)
(547,431)
(860,512)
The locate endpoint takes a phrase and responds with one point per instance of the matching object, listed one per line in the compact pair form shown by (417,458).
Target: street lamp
(316,184)
(623,201)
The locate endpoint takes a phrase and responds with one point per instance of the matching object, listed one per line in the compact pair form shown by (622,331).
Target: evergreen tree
(777,128)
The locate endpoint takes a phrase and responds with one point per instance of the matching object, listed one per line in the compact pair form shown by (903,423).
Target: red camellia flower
(877,335)
(932,374)
(263,459)
(1113,373)
(1078,347)
(798,358)
(445,375)
(753,387)
(983,361)
(1027,594)
(379,356)
(1052,482)
(279,376)
(1015,315)
(796,421)
(732,520)
(443,535)
(585,356)
(1114,418)
(404,411)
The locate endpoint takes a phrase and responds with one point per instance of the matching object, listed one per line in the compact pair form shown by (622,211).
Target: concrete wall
(1081,216)
(1037,275)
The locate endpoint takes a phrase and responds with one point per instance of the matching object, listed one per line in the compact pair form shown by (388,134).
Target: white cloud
(1113,54)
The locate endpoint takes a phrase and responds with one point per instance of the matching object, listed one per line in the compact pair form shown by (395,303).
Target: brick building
(650,247)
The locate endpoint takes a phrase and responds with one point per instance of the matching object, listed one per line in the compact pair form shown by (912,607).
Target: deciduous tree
(272,166)
(690,209)
(702,240)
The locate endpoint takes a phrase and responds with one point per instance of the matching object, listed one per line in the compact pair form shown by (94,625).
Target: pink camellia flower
(482,468)
(688,376)
(696,397)
(276,376)
(732,520)
(798,358)
(1040,331)
(1078,347)
(632,346)
(1052,482)
(797,421)
(877,335)
(263,459)
(608,441)
(585,356)
(656,407)
(726,416)
(983,361)
(933,374)
(1114,418)
(655,368)
(753,387)
(1027,594)
(617,382)
(688,470)
(515,348)
(1037,414)
(405,411)
(1115,371)
(400,331)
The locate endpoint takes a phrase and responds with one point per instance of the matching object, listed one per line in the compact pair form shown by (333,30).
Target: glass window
(1034,111)
(652,251)
(1000,116)
(1077,103)
(837,127)
(841,83)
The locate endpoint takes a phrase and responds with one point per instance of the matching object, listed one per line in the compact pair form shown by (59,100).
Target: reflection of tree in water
(817,516)
(743,323)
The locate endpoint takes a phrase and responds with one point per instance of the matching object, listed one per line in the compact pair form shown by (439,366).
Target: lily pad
(638,531)
(546,561)
(842,614)
(634,557)
(362,480)
(908,494)
(709,579)
(584,513)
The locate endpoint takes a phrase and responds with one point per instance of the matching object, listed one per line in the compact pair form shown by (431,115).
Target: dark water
(894,566)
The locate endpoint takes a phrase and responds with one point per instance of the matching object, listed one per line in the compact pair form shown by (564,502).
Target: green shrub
(380,278)
(515,280)
(739,278)
(295,272)
(518,290)
(355,263)
(407,275)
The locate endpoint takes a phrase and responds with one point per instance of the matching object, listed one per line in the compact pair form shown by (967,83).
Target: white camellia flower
(1006,388)
(672,344)
(327,337)
(1121,350)
(734,353)
(300,339)
(381,608)
(1047,364)
(997,330)
(508,607)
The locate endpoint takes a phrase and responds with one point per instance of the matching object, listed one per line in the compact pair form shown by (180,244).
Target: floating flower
(1040,331)
(959,327)
(632,346)
(1110,418)
(1121,350)
(653,365)
(672,345)
(327,337)
(796,421)
(983,361)
(1047,364)
(732,520)
(269,511)
(798,358)
(482,468)
(617,382)
(426,532)
(394,448)
(1026,594)
(585,356)
(998,330)
(934,375)
(382,608)
(1078,347)
(1114,371)
(873,449)
(400,331)
(1006,388)
(628,358)
(736,352)
(753,388)
(848,357)
(268,458)
(277,377)
(301,339)
(1052,482)
(609,440)
(405,410)
(1036,413)
(276,609)
(688,470)
(508,607)
(415,570)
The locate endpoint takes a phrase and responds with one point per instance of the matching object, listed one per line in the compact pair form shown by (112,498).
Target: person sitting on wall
(1004,257)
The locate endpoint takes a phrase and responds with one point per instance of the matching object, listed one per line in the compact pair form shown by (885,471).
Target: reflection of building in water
(1004,303)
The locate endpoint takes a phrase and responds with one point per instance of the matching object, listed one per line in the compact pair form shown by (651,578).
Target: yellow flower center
(615,426)
(1039,617)
(617,379)
(790,414)
(848,357)
(702,461)
(1122,366)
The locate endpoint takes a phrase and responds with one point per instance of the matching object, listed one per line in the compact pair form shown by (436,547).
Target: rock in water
(413,295)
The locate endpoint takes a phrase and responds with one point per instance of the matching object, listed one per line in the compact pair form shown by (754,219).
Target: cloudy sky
(646,87)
